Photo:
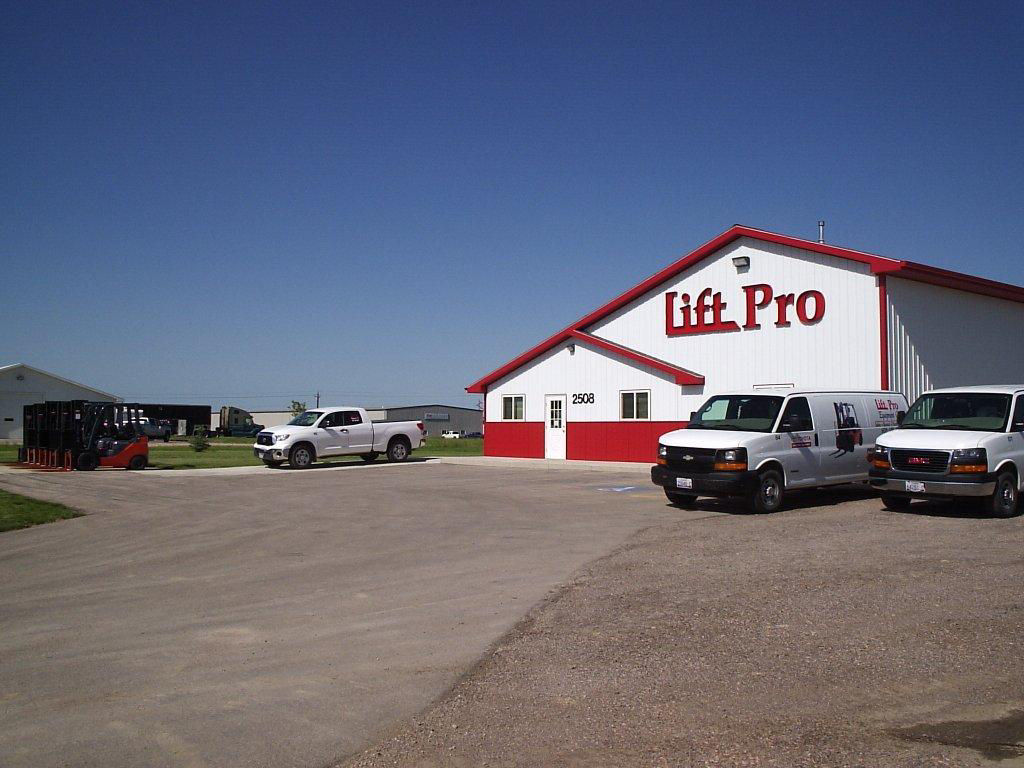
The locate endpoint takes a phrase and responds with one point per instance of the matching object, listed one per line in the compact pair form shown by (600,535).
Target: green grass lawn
(8,453)
(21,512)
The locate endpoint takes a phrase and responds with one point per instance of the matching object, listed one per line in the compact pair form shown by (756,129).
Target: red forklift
(111,435)
(79,434)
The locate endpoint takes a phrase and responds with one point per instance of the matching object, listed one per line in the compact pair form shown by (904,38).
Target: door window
(1018,414)
(555,414)
(348,418)
(797,416)
(332,420)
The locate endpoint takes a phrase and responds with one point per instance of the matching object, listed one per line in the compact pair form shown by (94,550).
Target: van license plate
(915,487)
(684,482)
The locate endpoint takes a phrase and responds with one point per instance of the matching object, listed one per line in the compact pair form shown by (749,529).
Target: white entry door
(554,426)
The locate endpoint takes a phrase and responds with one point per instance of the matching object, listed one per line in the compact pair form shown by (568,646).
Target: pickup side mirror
(900,416)
(1018,426)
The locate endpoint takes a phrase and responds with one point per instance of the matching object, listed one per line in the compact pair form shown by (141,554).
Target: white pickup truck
(962,442)
(337,431)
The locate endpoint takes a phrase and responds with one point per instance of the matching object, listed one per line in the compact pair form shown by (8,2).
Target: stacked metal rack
(80,434)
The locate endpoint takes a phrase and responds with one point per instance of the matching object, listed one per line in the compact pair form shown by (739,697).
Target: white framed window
(635,405)
(513,407)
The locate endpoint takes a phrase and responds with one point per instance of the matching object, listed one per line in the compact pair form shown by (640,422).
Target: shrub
(199,440)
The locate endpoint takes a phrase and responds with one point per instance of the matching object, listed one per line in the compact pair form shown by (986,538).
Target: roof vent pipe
(821,230)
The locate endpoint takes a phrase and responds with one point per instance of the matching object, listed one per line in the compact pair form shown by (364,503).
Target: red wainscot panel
(616,440)
(522,439)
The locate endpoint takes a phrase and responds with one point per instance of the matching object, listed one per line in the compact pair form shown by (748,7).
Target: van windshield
(739,413)
(977,411)
(305,419)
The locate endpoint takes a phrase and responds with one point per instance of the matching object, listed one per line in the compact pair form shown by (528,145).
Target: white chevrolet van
(967,441)
(758,445)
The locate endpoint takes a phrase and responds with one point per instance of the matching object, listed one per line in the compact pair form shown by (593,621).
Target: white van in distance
(758,445)
(965,441)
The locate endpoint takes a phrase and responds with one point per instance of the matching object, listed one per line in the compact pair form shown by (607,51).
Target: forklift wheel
(138,462)
(88,461)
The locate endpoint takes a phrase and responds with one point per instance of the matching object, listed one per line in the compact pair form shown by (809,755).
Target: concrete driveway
(276,618)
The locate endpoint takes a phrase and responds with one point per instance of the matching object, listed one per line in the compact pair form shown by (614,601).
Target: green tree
(199,440)
(297,407)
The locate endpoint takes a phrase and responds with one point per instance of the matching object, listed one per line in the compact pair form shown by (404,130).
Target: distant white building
(22,385)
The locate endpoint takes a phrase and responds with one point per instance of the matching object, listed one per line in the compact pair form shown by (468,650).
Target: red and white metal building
(748,310)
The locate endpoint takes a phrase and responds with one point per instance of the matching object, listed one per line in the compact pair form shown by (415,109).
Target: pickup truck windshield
(306,419)
(958,410)
(738,413)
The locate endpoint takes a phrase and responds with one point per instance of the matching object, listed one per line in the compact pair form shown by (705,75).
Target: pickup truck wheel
(684,500)
(767,497)
(370,456)
(167,437)
(895,503)
(398,450)
(301,456)
(1005,500)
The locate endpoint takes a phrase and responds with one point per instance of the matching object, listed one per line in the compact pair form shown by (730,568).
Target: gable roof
(58,378)
(879,265)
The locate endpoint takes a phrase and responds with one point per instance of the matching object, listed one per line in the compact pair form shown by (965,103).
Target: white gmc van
(758,445)
(967,441)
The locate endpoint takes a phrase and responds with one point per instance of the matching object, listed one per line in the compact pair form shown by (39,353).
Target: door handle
(815,438)
(345,431)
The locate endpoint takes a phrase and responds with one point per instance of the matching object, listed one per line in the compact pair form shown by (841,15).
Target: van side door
(799,454)
(841,421)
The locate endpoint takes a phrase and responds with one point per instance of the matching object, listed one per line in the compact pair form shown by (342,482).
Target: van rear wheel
(767,496)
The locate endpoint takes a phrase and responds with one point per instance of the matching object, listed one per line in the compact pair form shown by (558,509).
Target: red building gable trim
(879,265)
(681,375)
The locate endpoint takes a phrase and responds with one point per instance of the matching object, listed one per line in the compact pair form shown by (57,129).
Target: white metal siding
(839,352)
(941,337)
(32,388)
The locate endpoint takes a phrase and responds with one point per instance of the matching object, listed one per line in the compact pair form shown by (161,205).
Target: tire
(302,456)
(167,437)
(684,500)
(138,462)
(398,450)
(1005,502)
(370,456)
(767,497)
(87,461)
(274,464)
(895,503)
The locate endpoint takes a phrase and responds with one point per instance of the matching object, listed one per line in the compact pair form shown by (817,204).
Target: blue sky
(246,203)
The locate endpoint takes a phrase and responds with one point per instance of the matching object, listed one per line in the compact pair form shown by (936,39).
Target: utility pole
(318,398)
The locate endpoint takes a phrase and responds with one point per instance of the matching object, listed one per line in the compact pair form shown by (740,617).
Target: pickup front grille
(691,459)
(265,438)
(932,462)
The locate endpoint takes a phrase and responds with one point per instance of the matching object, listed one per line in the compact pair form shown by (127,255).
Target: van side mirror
(900,416)
(693,415)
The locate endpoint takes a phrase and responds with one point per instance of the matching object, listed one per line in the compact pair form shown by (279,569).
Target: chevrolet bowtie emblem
(687,457)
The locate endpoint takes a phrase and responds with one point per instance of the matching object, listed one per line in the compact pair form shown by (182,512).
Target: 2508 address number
(583,398)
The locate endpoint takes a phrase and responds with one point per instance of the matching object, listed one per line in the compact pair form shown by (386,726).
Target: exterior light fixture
(572,349)
(741,262)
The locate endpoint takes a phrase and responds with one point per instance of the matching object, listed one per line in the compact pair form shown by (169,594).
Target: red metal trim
(616,440)
(681,375)
(883,330)
(879,265)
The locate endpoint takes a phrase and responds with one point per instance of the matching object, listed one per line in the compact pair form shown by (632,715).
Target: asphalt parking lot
(437,614)
(276,618)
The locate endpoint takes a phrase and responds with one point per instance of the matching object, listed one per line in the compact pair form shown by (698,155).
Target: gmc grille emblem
(917,460)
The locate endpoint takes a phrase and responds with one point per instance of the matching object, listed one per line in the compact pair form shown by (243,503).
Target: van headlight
(879,458)
(731,460)
(280,438)
(972,460)
(663,451)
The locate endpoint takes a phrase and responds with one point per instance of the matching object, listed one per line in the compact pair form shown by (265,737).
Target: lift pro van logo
(708,313)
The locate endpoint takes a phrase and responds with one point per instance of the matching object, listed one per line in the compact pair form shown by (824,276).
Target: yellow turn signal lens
(973,468)
(663,461)
(880,464)
(730,466)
